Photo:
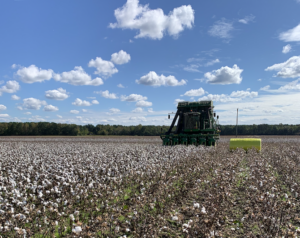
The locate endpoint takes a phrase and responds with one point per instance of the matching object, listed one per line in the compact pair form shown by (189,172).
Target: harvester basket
(245,143)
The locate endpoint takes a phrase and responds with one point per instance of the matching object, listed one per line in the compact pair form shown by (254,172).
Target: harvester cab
(196,125)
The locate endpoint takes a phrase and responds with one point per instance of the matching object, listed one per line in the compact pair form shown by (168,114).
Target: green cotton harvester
(196,125)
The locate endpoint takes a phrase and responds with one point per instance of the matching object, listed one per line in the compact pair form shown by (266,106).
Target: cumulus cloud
(143,104)
(152,79)
(59,116)
(222,29)
(104,67)
(120,58)
(77,77)
(287,69)
(212,62)
(33,74)
(137,119)
(74,111)
(243,94)
(114,110)
(15,97)
(32,104)
(192,68)
(291,35)
(225,75)
(95,102)
(247,19)
(106,94)
(150,110)
(265,88)
(84,110)
(2,107)
(133,98)
(219,98)
(178,100)
(10,87)
(4,115)
(50,108)
(286,49)
(194,92)
(79,102)
(57,94)
(153,23)
(27,113)
(120,85)
(138,110)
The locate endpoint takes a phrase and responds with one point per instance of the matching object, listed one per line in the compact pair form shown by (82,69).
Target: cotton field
(134,187)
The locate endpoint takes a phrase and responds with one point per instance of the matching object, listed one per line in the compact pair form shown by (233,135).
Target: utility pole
(237,117)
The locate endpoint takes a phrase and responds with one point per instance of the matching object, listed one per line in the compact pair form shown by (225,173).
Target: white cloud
(143,104)
(79,102)
(137,119)
(15,97)
(27,113)
(2,107)
(265,88)
(120,85)
(225,75)
(33,74)
(106,94)
(14,66)
(287,69)
(150,110)
(77,77)
(243,94)
(57,94)
(133,98)
(286,49)
(20,108)
(50,108)
(291,35)
(74,111)
(222,29)
(259,80)
(138,110)
(4,115)
(247,19)
(287,88)
(152,79)
(219,98)
(212,62)
(153,23)
(194,92)
(104,68)
(192,68)
(178,100)
(95,102)
(120,58)
(33,103)
(84,110)
(114,110)
(59,116)
(79,117)
(10,87)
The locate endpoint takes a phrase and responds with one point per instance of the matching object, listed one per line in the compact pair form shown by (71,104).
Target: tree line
(51,128)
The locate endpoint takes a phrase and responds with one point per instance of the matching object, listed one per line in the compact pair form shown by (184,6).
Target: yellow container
(245,143)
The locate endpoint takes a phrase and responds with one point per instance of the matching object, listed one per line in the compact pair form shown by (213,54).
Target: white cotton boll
(48,192)
(72,217)
(196,205)
(286,196)
(175,218)
(56,223)
(203,211)
(65,202)
(127,229)
(16,228)
(76,213)
(2,212)
(77,229)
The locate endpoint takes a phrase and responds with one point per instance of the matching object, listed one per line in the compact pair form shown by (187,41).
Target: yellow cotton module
(246,143)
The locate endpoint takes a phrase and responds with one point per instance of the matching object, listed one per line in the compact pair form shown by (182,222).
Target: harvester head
(195,125)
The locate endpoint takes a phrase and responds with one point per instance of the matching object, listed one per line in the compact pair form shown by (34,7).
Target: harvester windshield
(192,121)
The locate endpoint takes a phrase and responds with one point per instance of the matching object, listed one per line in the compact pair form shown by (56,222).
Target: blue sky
(129,62)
